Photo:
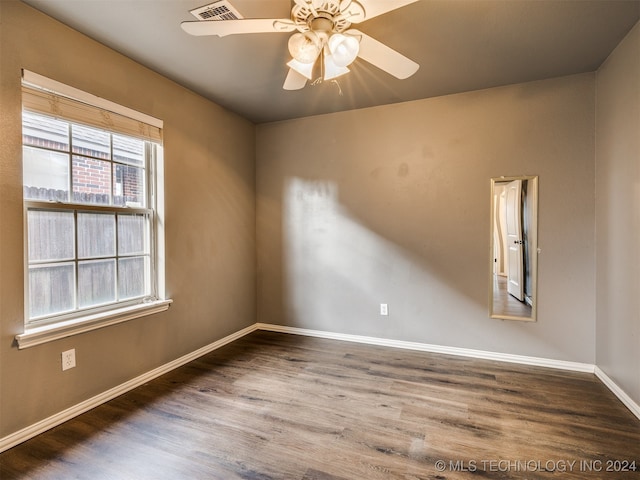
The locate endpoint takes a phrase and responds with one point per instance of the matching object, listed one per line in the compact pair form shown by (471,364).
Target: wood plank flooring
(277,406)
(506,304)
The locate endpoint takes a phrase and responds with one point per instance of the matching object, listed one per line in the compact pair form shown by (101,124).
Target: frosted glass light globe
(344,49)
(305,47)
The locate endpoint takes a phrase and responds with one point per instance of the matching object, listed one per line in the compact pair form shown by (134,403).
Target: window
(90,198)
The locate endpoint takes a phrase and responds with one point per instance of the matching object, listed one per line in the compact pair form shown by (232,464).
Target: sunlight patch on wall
(338,271)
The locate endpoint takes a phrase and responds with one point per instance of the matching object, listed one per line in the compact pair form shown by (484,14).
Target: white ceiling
(461,45)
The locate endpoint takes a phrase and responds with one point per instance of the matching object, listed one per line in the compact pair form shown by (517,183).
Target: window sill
(47,333)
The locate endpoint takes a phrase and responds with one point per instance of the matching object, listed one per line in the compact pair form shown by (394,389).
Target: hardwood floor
(277,406)
(504,303)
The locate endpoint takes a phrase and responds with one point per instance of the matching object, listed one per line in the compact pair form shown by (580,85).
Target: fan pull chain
(320,79)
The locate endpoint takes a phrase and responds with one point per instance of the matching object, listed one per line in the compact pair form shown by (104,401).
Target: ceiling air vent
(220,10)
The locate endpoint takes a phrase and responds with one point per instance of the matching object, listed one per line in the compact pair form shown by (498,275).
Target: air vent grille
(220,10)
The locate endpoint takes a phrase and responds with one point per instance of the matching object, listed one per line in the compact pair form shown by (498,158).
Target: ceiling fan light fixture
(332,69)
(305,47)
(344,49)
(304,69)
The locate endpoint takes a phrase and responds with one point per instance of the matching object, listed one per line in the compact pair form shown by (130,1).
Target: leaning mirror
(514,248)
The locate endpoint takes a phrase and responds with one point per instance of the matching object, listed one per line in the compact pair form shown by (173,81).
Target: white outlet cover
(384,309)
(69,359)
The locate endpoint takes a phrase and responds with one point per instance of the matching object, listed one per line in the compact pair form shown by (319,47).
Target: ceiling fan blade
(373,8)
(309,3)
(383,57)
(294,80)
(222,28)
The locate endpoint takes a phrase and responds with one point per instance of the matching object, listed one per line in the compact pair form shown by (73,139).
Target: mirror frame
(533,247)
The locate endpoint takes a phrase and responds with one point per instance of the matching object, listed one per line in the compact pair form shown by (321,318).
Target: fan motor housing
(322,23)
(324,18)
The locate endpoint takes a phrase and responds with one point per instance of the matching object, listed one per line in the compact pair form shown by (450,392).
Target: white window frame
(88,109)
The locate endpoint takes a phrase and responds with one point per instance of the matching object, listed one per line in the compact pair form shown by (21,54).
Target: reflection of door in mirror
(515,256)
(513,243)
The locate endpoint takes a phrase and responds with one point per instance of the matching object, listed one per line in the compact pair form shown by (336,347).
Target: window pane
(96,235)
(128,186)
(96,282)
(51,289)
(128,150)
(132,234)
(90,141)
(132,278)
(42,131)
(91,181)
(45,174)
(51,235)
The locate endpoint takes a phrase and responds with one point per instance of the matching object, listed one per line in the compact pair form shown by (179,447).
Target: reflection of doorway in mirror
(512,295)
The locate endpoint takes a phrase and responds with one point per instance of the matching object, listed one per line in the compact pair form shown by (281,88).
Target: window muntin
(89,219)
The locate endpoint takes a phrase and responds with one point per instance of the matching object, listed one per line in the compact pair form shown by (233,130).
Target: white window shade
(46,96)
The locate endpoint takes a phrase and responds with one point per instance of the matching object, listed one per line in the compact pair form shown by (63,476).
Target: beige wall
(391,205)
(210,223)
(618,215)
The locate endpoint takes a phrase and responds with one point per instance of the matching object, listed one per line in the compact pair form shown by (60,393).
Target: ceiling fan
(323,32)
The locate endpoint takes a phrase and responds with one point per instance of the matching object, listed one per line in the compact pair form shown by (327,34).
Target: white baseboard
(618,392)
(82,407)
(426,347)
(61,417)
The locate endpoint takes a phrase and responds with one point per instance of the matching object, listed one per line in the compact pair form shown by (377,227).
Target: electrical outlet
(69,359)
(384,309)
